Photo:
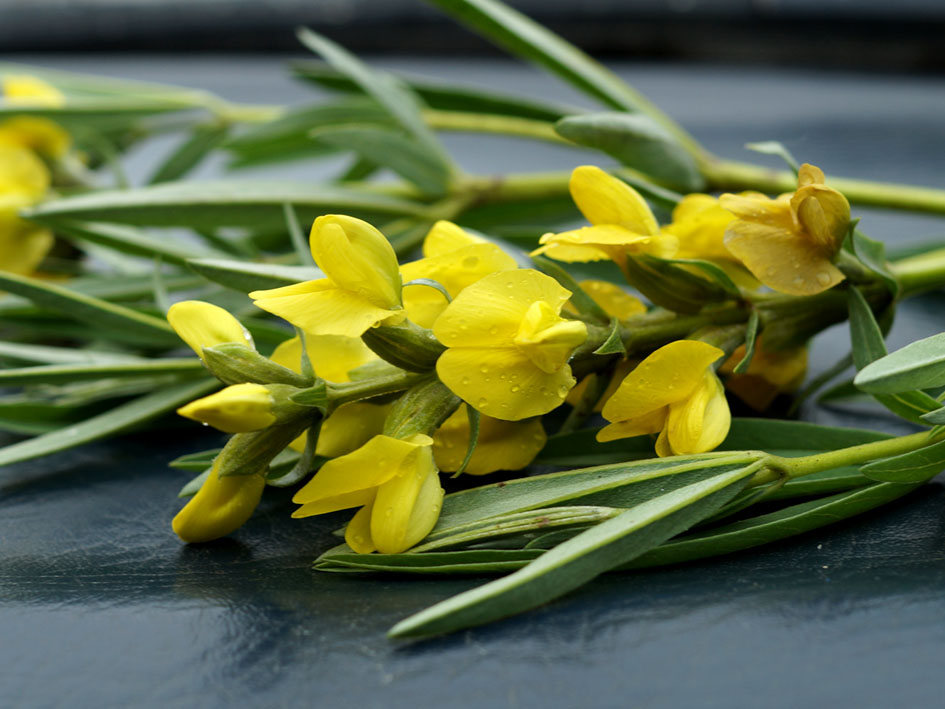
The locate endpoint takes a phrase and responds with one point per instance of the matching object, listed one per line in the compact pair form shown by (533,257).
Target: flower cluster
(453,362)
(27,145)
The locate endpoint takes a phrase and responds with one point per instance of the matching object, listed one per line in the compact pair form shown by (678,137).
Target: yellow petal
(332,356)
(358,531)
(38,134)
(221,505)
(548,339)
(502,445)
(357,258)
(824,214)
(760,209)
(202,325)
(426,510)
(781,259)
(592,243)
(24,178)
(455,271)
(647,423)
(239,408)
(668,375)
(604,199)
(321,308)
(701,422)
(394,504)
(349,427)
(615,301)
(344,501)
(445,236)
(503,382)
(30,91)
(699,222)
(373,464)
(23,245)
(809,174)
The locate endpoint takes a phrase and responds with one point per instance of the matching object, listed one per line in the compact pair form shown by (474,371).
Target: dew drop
(484,369)
(823,277)
(483,401)
(515,388)
(389,512)
(494,330)
(798,281)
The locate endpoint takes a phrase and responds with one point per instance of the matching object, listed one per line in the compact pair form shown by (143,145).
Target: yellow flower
(675,392)
(502,445)
(396,484)
(239,408)
(26,90)
(508,346)
(699,222)
(22,244)
(622,222)
(202,325)
(455,260)
(769,373)
(789,243)
(361,288)
(222,505)
(612,299)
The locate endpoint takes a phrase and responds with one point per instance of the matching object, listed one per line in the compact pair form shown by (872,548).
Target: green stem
(854,455)
(348,392)
(463,122)
(919,273)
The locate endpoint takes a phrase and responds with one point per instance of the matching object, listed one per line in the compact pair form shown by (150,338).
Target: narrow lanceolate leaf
(44,354)
(215,204)
(914,467)
(202,141)
(873,255)
(246,277)
(750,336)
(121,418)
(442,96)
(637,141)
(476,561)
(919,365)
(578,560)
(133,241)
(121,321)
(64,373)
(522,36)
(866,340)
(386,89)
(406,157)
(618,485)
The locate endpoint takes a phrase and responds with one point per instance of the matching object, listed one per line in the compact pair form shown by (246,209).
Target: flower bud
(239,408)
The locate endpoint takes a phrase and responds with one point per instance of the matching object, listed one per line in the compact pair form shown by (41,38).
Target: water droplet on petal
(389,512)
(483,401)
(823,277)
(484,369)
(515,388)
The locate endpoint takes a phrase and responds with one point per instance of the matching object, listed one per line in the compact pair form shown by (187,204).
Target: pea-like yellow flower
(27,90)
(239,408)
(221,505)
(24,180)
(40,135)
(699,222)
(508,346)
(396,484)
(789,243)
(770,372)
(622,222)
(362,285)
(675,392)
(502,445)
(455,259)
(612,299)
(201,324)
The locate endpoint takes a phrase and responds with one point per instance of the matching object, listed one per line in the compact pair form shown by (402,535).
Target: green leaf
(578,560)
(866,340)
(617,485)
(476,561)
(297,237)
(214,204)
(59,373)
(773,147)
(936,417)
(783,524)
(473,417)
(712,271)
(119,419)
(202,141)
(525,38)
(442,96)
(670,286)
(195,462)
(194,485)
(614,342)
(751,335)
(919,365)
(122,322)
(872,254)
(302,465)
(406,157)
(638,141)
(387,90)
(247,277)
(914,467)
(44,354)
(133,241)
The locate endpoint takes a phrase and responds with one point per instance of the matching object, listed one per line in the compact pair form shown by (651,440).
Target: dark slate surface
(101,606)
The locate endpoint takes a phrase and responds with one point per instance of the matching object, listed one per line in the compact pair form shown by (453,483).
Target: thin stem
(920,273)
(464,122)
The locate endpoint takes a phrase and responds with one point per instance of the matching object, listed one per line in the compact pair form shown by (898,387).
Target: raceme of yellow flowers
(27,144)
(504,340)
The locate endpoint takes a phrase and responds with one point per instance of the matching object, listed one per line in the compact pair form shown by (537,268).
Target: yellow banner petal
(445,236)
(394,504)
(221,505)
(604,199)
(202,325)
